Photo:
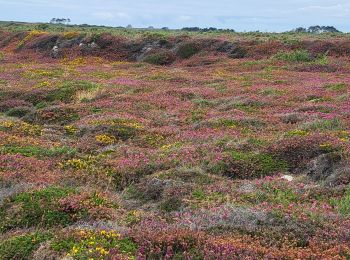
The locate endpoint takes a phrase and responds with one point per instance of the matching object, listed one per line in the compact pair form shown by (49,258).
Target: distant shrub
(2,56)
(294,56)
(188,49)
(70,34)
(160,58)
(22,247)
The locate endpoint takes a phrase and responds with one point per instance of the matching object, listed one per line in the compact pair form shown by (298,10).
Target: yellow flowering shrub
(30,36)
(89,244)
(105,139)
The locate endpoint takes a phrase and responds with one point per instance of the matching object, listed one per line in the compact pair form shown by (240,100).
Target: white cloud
(103,15)
(184,18)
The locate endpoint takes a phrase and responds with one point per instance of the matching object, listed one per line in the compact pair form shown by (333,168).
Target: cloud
(105,15)
(184,18)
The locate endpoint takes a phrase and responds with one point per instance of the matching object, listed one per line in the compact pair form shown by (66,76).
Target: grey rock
(329,169)
(55,52)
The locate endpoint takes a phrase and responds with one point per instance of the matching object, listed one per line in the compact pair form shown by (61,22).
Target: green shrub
(160,58)
(88,244)
(35,208)
(336,86)
(186,50)
(344,204)
(51,207)
(170,204)
(21,247)
(18,111)
(294,56)
(249,164)
(324,125)
(2,56)
(67,91)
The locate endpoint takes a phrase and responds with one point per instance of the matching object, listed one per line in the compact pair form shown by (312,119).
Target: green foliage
(21,247)
(186,50)
(294,56)
(324,125)
(37,151)
(18,111)
(336,86)
(2,56)
(85,244)
(159,58)
(68,89)
(170,204)
(35,208)
(344,203)
(258,164)
(280,195)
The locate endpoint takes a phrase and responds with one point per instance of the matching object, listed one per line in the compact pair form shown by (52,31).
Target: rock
(93,45)
(55,52)
(340,176)
(287,177)
(233,50)
(45,252)
(292,118)
(247,188)
(323,166)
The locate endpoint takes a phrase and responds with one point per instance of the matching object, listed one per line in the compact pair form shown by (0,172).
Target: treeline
(210,29)
(317,29)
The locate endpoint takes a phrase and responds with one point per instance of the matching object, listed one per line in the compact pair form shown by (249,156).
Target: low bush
(67,91)
(37,151)
(86,244)
(294,56)
(160,58)
(245,165)
(187,49)
(52,206)
(22,247)
(19,111)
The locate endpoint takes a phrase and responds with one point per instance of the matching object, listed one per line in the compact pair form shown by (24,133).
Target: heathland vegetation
(123,143)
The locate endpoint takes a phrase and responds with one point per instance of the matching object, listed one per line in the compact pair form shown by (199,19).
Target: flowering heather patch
(202,149)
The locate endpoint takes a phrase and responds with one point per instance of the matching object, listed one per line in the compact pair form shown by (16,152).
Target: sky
(240,15)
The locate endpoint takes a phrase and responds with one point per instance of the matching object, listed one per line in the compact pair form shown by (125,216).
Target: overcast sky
(241,15)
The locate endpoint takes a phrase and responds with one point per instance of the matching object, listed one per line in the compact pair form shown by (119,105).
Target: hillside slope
(173,147)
